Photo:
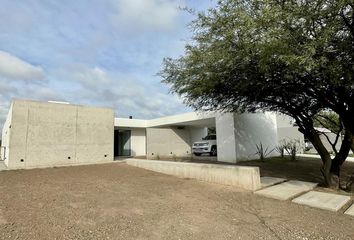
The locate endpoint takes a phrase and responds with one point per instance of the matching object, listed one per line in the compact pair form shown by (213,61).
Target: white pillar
(225,137)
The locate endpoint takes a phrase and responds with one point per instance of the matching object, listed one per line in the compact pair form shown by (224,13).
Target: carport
(172,137)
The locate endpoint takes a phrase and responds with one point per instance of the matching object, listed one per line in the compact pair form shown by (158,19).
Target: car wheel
(213,151)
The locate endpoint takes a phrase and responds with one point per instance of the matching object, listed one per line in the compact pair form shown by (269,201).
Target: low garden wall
(239,176)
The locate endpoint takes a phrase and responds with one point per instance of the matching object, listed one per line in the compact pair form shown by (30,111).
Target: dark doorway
(122,143)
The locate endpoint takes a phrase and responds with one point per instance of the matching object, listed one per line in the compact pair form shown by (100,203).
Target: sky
(103,53)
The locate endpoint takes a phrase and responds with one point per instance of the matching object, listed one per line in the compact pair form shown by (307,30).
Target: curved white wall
(253,129)
(238,135)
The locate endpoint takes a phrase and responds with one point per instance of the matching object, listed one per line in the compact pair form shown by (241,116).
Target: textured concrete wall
(167,142)
(48,134)
(239,176)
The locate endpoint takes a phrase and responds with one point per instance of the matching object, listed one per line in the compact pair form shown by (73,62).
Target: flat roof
(185,119)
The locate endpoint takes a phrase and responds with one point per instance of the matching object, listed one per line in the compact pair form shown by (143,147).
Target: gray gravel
(116,201)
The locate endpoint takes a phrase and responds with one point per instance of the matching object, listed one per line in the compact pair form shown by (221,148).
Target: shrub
(292,147)
(263,152)
(280,148)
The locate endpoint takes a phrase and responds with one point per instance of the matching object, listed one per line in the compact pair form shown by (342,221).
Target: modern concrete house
(237,135)
(44,134)
(41,134)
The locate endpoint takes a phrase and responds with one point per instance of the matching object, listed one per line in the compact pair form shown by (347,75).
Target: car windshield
(210,137)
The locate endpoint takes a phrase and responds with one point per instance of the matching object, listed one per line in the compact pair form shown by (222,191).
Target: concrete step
(322,200)
(270,181)
(286,190)
(350,210)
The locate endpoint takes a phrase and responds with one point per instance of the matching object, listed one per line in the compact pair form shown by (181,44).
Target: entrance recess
(122,144)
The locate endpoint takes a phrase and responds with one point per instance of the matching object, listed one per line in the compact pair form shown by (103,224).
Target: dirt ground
(117,201)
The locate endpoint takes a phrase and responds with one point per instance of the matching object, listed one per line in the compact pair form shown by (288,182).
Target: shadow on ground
(303,169)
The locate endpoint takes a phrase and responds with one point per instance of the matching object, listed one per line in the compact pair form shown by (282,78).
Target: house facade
(43,134)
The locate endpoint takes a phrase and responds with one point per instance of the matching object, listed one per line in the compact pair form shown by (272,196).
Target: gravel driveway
(116,201)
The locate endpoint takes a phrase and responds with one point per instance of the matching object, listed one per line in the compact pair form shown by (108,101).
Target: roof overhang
(196,119)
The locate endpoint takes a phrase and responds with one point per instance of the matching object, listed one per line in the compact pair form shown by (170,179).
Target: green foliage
(293,57)
(329,120)
(292,147)
(263,152)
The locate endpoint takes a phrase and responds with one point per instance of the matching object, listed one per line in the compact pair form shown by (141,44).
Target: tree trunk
(349,124)
(326,170)
(331,167)
(340,158)
(330,173)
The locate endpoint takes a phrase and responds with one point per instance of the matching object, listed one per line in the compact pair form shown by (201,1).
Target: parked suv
(207,145)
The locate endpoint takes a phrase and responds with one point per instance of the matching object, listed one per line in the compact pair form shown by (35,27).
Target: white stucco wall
(332,139)
(130,123)
(284,121)
(238,135)
(326,143)
(138,141)
(252,129)
(184,119)
(5,140)
(225,137)
(286,130)
(290,133)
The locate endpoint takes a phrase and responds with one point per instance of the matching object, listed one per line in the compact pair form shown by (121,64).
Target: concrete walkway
(350,211)
(322,200)
(270,181)
(286,190)
(302,193)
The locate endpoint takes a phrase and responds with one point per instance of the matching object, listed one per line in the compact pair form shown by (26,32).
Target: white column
(225,137)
